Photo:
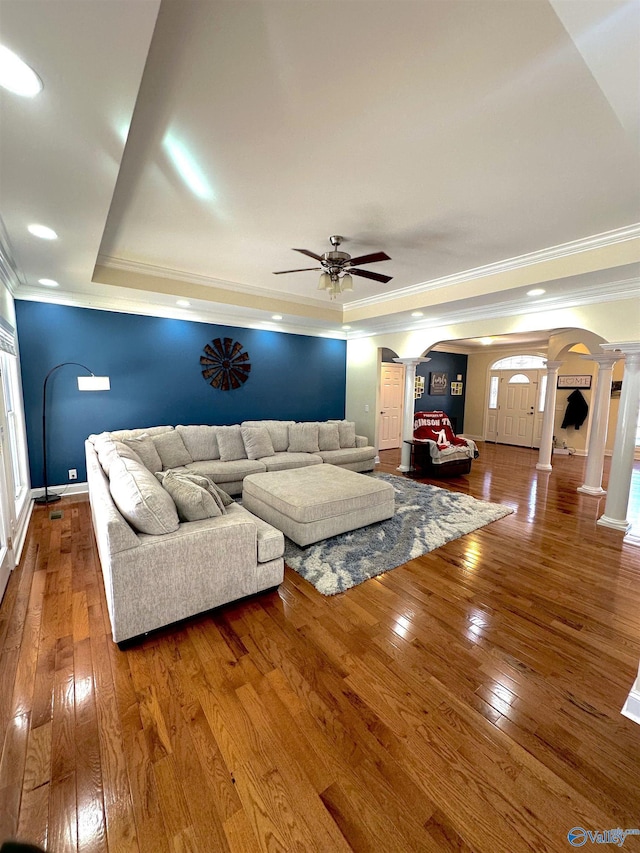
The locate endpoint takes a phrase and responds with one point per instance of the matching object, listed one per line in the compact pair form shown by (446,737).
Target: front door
(391,405)
(517,407)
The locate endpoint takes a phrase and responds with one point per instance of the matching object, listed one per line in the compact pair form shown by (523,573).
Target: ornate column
(546,440)
(410,365)
(600,415)
(615,510)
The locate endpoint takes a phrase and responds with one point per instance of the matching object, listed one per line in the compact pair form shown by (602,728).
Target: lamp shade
(325,281)
(94,383)
(347,282)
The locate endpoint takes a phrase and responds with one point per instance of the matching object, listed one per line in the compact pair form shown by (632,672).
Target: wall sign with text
(438,383)
(574,381)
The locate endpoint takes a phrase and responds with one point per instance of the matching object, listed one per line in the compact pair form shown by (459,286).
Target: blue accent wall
(451,364)
(155,372)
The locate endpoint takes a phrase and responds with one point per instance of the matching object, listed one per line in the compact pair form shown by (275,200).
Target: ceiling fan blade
(376,276)
(306,269)
(309,253)
(370,259)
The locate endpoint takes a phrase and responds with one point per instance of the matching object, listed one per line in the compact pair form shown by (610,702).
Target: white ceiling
(451,135)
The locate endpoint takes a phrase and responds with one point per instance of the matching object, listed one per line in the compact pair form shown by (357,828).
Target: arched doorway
(515,403)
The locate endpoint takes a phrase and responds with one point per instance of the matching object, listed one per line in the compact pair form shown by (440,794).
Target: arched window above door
(519,379)
(523,362)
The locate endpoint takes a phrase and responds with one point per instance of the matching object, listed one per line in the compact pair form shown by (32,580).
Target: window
(519,379)
(493,392)
(524,362)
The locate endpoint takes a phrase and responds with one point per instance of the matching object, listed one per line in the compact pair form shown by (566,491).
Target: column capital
(554,365)
(414,361)
(604,359)
(630,348)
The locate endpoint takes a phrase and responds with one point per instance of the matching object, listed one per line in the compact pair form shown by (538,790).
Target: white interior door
(6,544)
(391,405)
(517,407)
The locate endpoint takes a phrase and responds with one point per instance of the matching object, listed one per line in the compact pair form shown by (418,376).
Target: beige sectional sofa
(171,543)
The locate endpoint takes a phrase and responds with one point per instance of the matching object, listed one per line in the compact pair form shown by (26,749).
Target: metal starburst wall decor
(226,366)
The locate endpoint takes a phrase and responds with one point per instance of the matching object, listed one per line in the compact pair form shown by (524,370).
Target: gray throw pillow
(146,450)
(257,442)
(347,431)
(172,450)
(328,437)
(191,496)
(303,438)
(200,440)
(230,443)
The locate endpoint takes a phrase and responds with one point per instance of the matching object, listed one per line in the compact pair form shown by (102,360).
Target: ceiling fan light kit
(337,268)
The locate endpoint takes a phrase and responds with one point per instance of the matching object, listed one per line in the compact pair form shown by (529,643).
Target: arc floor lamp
(85,383)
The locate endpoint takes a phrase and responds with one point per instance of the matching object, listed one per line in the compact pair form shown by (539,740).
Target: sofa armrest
(362,441)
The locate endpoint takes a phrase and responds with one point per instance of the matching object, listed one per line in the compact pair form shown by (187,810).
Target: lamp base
(47,499)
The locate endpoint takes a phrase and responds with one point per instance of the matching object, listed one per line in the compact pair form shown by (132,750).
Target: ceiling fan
(338,267)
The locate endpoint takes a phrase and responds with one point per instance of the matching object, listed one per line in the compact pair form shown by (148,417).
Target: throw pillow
(171,450)
(140,498)
(200,441)
(146,450)
(193,500)
(230,443)
(278,432)
(257,442)
(328,437)
(303,438)
(347,432)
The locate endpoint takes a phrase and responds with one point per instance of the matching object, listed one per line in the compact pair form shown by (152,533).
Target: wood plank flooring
(469,700)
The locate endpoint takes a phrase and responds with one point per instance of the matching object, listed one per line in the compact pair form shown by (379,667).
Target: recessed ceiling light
(486,341)
(537,291)
(417,314)
(276,316)
(48,282)
(346,328)
(183,303)
(17,76)
(43,232)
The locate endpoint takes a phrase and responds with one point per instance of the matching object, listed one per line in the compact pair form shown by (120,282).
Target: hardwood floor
(469,700)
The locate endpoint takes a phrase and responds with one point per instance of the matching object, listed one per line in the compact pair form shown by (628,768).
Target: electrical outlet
(73,474)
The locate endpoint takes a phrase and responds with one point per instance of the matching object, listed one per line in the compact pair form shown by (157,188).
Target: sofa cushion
(347,433)
(230,443)
(257,442)
(140,497)
(171,449)
(145,448)
(303,438)
(348,455)
(120,434)
(285,461)
(227,472)
(191,495)
(278,430)
(200,441)
(328,437)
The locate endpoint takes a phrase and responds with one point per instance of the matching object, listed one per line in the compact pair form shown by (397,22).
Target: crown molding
(575,247)
(10,273)
(217,315)
(152,271)
(612,292)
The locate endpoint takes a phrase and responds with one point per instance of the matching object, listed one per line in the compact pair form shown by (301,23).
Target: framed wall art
(575,381)
(438,383)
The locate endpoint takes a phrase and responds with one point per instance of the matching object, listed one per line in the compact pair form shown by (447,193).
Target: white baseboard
(64,491)
(631,708)
(470,435)
(21,531)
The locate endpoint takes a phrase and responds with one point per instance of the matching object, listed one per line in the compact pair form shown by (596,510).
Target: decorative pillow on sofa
(303,438)
(328,437)
(257,442)
(230,443)
(347,432)
(191,496)
(140,497)
(172,450)
(200,440)
(278,431)
(145,448)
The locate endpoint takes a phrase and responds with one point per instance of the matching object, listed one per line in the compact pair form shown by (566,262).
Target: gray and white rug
(425,518)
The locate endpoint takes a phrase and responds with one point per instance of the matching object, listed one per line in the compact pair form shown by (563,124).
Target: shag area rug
(426,517)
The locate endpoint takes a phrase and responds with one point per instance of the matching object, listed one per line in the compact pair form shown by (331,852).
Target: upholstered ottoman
(309,504)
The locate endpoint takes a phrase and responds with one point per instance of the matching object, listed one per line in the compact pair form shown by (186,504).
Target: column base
(404,468)
(614,523)
(631,707)
(591,490)
(541,466)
